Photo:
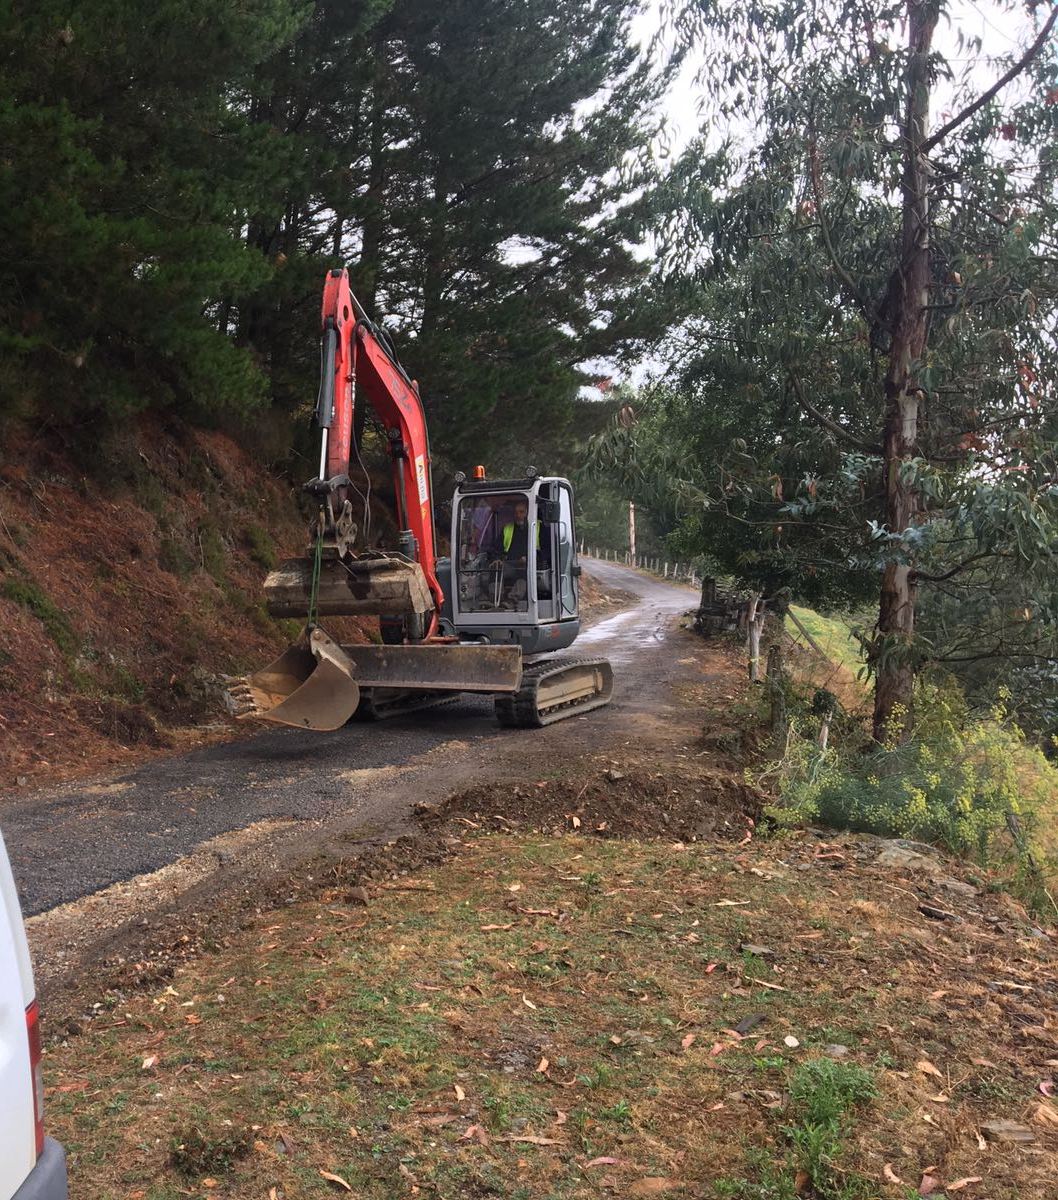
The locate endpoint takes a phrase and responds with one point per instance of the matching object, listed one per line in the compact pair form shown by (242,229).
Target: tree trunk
(909,300)
(754,627)
(367,269)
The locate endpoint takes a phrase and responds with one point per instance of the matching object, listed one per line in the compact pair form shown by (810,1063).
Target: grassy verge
(833,635)
(570,1016)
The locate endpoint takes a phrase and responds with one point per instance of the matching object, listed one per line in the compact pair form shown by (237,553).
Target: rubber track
(412,702)
(520,711)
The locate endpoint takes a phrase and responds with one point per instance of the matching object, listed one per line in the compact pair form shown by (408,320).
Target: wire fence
(681,572)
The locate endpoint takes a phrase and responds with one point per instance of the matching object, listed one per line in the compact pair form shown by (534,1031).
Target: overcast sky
(1000,33)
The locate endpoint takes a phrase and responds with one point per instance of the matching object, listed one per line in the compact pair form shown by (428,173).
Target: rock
(357,895)
(756,949)
(748,1023)
(902,858)
(636,1037)
(936,914)
(21,780)
(835,1050)
(614,776)
(958,887)
(1007,1131)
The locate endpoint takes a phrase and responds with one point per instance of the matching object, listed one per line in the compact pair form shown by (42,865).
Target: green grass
(833,635)
(32,597)
(492,1042)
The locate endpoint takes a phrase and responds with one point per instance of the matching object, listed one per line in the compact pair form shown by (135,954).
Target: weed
(754,967)
(770,1183)
(823,1095)
(213,554)
(123,684)
(769,1062)
(989,1088)
(261,547)
(600,1076)
(29,595)
(196,1151)
(620,1112)
(173,556)
(150,492)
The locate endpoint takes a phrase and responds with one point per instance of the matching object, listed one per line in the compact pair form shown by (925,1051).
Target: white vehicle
(32,1166)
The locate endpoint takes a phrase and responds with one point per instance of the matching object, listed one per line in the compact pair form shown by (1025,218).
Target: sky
(1000,32)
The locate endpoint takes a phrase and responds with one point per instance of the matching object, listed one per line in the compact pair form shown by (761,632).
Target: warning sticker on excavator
(420,474)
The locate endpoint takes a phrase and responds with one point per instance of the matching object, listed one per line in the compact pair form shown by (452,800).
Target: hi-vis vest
(508,536)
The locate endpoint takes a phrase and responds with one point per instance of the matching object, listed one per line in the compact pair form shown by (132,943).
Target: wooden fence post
(754,626)
(777,704)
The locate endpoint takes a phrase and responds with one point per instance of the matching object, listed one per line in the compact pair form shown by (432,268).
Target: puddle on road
(623,636)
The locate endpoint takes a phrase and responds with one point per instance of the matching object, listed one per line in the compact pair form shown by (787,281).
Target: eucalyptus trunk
(909,316)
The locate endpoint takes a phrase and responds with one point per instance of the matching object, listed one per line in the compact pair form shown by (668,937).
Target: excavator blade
(311,685)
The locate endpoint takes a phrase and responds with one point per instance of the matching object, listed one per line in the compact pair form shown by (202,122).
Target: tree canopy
(865,393)
(177,182)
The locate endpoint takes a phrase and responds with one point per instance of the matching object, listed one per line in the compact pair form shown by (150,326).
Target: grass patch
(261,547)
(32,597)
(554,1017)
(833,635)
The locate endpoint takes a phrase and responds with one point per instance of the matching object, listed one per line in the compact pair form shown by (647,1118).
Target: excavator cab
(513,576)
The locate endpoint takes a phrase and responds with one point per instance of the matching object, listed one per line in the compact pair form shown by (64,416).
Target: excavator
(488,618)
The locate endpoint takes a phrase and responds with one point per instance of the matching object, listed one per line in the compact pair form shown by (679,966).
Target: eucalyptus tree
(874,236)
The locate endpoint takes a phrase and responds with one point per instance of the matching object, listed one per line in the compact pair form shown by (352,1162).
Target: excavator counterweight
(378,586)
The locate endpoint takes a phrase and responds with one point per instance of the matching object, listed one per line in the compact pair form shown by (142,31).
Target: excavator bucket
(311,685)
(378,585)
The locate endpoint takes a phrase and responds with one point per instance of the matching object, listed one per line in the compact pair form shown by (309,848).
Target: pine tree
(126,166)
(479,159)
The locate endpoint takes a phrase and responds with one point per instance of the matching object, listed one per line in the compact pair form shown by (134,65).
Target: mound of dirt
(639,804)
(597,601)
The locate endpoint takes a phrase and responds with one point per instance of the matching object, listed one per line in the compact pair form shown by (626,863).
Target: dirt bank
(129,585)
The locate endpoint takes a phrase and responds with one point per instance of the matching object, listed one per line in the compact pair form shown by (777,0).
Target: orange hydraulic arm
(356,361)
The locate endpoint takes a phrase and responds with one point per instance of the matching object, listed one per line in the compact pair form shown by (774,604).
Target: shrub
(29,594)
(954,782)
(262,548)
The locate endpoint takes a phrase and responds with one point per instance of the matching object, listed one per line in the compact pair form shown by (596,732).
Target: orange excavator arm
(357,365)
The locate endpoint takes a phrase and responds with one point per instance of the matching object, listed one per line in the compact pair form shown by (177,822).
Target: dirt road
(232,814)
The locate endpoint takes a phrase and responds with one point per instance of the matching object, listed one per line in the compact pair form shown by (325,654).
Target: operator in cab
(511,552)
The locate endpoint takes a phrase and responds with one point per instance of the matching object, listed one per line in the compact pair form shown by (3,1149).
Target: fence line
(680,572)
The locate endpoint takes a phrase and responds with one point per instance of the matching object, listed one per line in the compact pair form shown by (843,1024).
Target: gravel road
(70,841)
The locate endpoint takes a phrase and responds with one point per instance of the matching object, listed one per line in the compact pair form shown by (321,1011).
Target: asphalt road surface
(70,841)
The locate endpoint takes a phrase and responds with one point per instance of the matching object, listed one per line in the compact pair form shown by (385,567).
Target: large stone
(903,858)
(1007,1131)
